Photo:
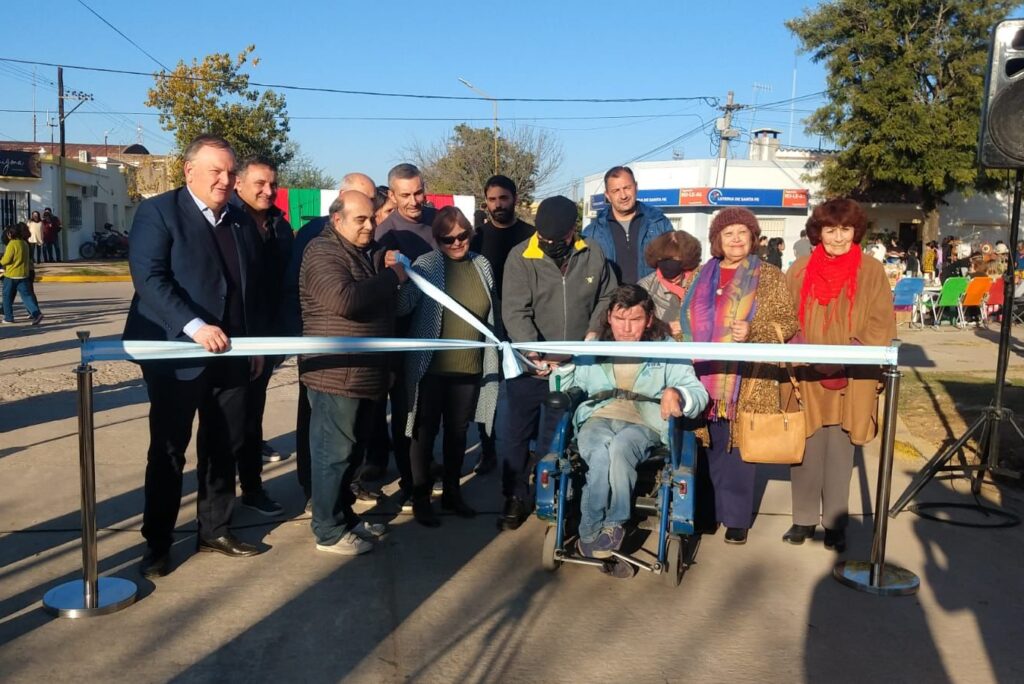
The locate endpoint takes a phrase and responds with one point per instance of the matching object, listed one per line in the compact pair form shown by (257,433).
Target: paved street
(464,602)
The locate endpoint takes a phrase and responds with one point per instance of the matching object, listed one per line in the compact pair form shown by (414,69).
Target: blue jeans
(23,288)
(335,426)
(612,450)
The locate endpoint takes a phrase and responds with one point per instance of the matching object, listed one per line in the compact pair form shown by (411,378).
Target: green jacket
(17,261)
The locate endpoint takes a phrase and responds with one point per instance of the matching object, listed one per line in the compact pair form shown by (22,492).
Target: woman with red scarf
(842,298)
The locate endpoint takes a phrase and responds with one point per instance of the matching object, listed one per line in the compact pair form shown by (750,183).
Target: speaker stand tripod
(986,428)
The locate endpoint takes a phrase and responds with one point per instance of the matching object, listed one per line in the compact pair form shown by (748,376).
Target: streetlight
(493,102)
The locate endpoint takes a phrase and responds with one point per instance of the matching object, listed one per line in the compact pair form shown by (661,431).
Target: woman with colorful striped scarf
(736,298)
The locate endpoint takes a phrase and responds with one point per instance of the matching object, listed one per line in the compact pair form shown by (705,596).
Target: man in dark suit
(197,268)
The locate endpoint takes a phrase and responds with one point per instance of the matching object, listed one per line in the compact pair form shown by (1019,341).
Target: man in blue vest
(625,226)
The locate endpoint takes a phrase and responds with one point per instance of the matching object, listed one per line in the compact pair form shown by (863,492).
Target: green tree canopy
(302,172)
(905,80)
(462,163)
(213,96)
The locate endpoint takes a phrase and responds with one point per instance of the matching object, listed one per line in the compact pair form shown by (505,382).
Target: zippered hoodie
(540,303)
(594,375)
(652,224)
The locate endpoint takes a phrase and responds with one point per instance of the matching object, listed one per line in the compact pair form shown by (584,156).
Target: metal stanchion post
(875,576)
(92,595)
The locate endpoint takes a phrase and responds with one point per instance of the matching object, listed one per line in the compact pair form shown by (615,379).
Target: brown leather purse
(773,437)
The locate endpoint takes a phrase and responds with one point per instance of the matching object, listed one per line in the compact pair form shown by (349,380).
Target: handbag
(773,437)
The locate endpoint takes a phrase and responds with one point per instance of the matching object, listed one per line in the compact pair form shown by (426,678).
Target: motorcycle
(105,244)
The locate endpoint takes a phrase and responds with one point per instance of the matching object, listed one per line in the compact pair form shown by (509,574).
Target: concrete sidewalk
(464,602)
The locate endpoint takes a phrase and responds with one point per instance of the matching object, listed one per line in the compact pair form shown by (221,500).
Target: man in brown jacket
(348,287)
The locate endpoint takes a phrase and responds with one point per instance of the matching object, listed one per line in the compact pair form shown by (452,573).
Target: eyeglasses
(452,239)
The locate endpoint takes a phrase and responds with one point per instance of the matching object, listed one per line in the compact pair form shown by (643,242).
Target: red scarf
(826,276)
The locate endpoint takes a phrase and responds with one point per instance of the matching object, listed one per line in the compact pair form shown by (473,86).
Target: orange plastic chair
(975,295)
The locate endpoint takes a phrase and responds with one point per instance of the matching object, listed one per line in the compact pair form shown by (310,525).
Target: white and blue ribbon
(512,359)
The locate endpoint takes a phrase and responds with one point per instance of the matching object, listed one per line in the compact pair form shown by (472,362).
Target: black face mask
(556,250)
(670,268)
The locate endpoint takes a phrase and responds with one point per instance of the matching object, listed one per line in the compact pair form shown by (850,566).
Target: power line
(413,118)
(121,33)
(707,99)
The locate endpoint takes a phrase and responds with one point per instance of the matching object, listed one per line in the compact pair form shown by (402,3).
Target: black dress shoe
(736,535)
(514,513)
(798,534)
(423,512)
(155,564)
(456,505)
(227,545)
(835,539)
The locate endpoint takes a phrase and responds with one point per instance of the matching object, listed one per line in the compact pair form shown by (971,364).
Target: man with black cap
(556,286)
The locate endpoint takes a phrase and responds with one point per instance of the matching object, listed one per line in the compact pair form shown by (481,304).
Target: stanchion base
(68,599)
(895,581)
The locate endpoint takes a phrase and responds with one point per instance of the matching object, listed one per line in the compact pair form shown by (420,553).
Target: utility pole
(727,133)
(62,168)
(33,104)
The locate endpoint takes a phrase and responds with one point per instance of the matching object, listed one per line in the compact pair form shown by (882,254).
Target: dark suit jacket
(178,275)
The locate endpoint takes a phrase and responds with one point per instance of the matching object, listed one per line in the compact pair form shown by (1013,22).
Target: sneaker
(364,494)
(736,535)
(270,454)
(619,570)
(610,539)
(4,321)
(348,545)
(437,489)
(586,548)
(603,546)
(262,504)
(369,531)
(309,507)
(38,319)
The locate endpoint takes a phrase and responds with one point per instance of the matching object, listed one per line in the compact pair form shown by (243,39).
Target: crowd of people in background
(215,259)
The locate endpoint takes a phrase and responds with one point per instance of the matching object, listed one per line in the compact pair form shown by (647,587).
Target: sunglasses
(452,239)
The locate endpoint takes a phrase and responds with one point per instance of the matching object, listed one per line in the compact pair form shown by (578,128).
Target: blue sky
(518,49)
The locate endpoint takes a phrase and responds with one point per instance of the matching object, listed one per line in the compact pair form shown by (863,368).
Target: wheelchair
(663,498)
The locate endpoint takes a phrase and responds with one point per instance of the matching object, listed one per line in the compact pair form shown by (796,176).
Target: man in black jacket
(197,268)
(255,189)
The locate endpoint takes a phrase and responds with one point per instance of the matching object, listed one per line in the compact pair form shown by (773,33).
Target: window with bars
(13,207)
(74,217)
(772,227)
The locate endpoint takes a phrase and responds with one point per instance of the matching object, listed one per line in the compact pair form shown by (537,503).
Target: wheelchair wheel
(547,556)
(673,571)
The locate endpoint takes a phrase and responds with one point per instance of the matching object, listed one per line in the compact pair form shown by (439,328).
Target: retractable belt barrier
(98,596)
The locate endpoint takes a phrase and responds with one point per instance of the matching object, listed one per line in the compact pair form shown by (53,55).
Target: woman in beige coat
(842,298)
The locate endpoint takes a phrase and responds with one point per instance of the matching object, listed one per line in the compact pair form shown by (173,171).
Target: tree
(302,172)
(462,163)
(213,96)
(905,80)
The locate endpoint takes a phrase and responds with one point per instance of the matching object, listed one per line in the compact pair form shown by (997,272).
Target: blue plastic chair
(907,296)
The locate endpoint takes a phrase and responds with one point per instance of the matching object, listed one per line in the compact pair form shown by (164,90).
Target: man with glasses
(556,287)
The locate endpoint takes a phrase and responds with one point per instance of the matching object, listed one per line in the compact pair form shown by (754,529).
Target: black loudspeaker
(1001,143)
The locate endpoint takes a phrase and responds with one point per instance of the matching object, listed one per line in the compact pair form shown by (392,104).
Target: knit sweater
(425,323)
(16,260)
(462,282)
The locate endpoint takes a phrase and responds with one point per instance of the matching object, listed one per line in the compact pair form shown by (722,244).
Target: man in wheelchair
(625,416)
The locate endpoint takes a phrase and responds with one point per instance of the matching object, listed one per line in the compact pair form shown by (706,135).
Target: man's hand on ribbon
(394,259)
(212,338)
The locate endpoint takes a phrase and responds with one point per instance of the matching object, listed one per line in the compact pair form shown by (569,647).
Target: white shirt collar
(207,212)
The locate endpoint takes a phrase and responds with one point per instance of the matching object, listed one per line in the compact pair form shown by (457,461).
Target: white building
(96,194)
(775,184)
